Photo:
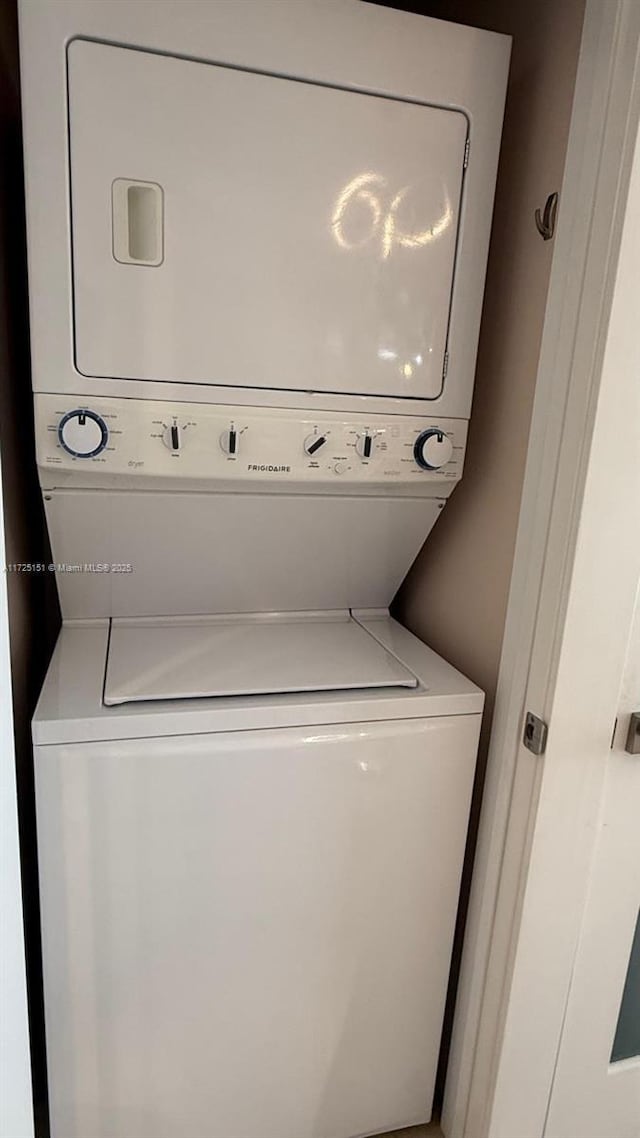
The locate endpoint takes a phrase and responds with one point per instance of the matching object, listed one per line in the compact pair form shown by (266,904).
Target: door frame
(489,1039)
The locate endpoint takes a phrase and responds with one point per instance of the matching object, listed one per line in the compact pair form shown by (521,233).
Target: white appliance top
(240,656)
(72,705)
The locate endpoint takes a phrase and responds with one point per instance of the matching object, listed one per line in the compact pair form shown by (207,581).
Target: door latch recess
(535,734)
(632,745)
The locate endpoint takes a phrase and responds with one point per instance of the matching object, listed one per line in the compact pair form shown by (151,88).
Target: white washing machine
(257,244)
(248,898)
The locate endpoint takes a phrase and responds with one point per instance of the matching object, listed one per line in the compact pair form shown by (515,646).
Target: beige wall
(456,594)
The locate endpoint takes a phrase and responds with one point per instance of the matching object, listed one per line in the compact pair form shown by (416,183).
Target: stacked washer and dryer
(257,244)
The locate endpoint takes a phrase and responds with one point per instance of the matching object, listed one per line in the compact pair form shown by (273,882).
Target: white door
(245,230)
(247,935)
(596,1084)
(559,1052)
(596,1090)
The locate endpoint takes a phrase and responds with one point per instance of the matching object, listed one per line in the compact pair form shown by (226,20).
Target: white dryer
(248,898)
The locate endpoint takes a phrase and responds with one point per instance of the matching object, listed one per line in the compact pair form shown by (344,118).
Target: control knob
(313,443)
(432,449)
(83,433)
(229,442)
(172,438)
(365,446)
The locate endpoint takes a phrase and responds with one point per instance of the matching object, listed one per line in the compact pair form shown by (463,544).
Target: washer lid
(240,656)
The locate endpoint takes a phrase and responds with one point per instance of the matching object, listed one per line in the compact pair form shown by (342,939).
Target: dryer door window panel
(246,230)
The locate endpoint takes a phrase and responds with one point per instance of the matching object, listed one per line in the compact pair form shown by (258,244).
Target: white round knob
(313,443)
(341,467)
(229,441)
(432,449)
(365,446)
(83,433)
(172,438)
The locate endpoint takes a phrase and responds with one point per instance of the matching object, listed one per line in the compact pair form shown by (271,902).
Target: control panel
(245,445)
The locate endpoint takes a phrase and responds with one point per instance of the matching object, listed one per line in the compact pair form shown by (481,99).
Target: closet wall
(455,597)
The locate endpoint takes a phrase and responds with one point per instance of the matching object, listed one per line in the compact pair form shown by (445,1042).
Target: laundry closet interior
(273,446)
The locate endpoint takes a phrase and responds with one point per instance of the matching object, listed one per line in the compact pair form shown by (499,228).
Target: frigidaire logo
(264,469)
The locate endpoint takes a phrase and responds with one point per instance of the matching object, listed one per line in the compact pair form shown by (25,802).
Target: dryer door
(240,229)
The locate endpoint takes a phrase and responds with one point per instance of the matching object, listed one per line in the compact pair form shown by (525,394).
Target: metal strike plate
(632,745)
(535,734)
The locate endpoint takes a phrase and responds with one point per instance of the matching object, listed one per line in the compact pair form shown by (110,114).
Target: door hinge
(535,734)
(467,148)
(445,365)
